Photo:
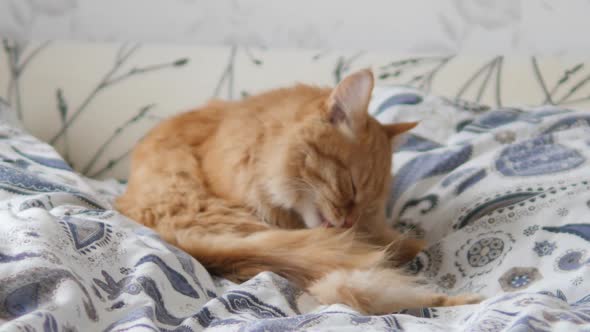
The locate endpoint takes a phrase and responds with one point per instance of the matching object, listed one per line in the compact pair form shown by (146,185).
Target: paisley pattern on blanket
(537,156)
(45,161)
(31,289)
(22,182)
(398,99)
(428,165)
(416,143)
(501,196)
(86,235)
(581,230)
(178,282)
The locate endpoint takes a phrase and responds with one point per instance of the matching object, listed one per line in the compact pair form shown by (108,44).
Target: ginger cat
(292,181)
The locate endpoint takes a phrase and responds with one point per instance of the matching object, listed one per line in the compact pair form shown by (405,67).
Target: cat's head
(336,167)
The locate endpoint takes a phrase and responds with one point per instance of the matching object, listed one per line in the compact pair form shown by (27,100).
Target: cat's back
(219,123)
(195,125)
(284,103)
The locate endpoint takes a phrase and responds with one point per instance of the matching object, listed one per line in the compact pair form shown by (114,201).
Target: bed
(501,194)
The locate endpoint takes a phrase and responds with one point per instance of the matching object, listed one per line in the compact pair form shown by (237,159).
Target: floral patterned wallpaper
(540,27)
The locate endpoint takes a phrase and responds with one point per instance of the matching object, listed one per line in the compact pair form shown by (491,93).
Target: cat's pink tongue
(348,223)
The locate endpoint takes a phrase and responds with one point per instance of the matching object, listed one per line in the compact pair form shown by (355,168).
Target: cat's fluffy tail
(302,256)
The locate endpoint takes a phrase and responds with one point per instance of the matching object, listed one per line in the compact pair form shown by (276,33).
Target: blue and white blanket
(502,196)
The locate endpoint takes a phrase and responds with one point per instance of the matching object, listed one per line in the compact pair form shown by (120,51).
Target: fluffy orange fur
(292,181)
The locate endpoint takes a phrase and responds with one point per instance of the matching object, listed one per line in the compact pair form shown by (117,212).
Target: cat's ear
(350,99)
(395,129)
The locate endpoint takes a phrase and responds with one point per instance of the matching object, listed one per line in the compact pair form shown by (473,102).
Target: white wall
(433,26)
